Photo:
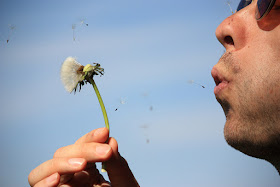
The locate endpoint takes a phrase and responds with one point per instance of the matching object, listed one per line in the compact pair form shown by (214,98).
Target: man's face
(248,80)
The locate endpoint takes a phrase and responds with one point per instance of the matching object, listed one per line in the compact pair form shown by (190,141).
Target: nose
(232,33)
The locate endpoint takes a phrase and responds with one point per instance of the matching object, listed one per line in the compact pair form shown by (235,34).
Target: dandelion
(73,28)
(229,5)
(73,74)
(145,128)
(8,34)
(11,32)
(146,95)
(192,82)
(82,22)
(77,26)
(122,102)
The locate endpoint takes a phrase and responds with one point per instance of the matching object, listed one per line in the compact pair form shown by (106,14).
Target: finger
(90,177)
(50,181)
(118,170)
(98,135)
(65,178)
(92,152)
(120,174)
(115,148)
(56,165)
(114,161)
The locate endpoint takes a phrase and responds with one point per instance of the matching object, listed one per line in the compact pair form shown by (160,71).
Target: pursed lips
(220,80)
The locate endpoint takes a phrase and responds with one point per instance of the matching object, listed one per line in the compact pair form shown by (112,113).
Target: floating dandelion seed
(12,27)
(73,28)
(192,82)
(11,32)
(77,26)
(146,95)
(82,22)
(74,74)
(122,102)
(145,128)
(228,3)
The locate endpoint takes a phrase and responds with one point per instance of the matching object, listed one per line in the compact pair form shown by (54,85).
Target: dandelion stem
(103,111)
(100,102)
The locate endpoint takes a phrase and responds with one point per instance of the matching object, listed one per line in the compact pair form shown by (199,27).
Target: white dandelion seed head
(69,75)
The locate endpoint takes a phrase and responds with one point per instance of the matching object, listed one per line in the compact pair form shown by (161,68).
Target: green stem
(101,103)
(103,111)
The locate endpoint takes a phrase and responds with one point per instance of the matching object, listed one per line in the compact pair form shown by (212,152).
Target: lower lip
(220,87)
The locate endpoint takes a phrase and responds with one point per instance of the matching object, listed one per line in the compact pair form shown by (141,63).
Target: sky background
(170,131)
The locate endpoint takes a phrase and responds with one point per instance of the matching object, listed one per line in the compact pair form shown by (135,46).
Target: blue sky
(149,50)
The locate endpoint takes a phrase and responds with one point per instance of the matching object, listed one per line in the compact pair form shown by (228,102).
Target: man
(248,88)
(248,79)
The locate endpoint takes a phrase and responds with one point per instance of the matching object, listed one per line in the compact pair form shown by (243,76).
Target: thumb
(118,170)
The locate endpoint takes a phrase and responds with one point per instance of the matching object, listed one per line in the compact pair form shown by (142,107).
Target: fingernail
(99,131)
(52,179)
(76,162)
(105,185)
(103,149)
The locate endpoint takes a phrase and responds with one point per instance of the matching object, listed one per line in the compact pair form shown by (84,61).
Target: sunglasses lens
(263,7)
(243,4)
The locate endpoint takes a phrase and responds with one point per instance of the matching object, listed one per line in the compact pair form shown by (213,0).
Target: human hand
(74,165)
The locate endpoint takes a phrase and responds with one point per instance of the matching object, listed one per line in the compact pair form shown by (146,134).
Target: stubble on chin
(252,129)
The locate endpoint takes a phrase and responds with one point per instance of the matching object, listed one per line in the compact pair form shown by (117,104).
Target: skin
(248,79)
(74,165)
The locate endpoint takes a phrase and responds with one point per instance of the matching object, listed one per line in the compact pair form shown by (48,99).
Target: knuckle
(83,149)
(58,152)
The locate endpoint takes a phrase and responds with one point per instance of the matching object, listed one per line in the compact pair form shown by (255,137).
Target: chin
(250,140)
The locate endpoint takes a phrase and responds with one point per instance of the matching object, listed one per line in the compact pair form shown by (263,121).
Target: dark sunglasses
(263,7)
